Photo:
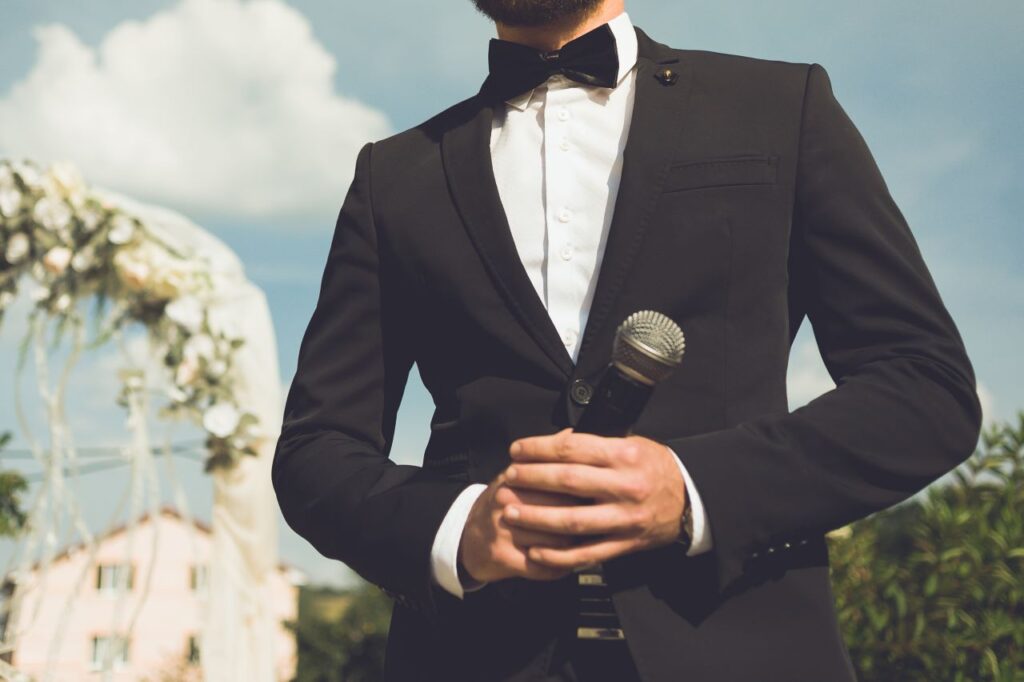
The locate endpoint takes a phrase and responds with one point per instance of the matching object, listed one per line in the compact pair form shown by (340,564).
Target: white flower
(53,214)
(68,182)
(186,372)
(186,311)
(130,269)
(56,259)
(62,302)
(199,346)
(10,201)
(176,394)
(221,420)
(90,219)
(218,367)
(39,293)
(82,259)
(17,247)
(28,174)
(121,229)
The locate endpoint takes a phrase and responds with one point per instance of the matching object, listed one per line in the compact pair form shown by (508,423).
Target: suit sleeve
(331,472)
(905,408)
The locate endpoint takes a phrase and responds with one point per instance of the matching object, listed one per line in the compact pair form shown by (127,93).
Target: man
(497,245)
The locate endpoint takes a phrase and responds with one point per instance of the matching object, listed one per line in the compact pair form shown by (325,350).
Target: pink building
(80,602)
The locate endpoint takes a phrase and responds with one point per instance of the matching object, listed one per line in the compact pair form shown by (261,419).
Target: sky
(246,116)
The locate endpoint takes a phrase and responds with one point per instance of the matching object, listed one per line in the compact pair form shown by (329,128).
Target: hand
(490,549)
(637,488)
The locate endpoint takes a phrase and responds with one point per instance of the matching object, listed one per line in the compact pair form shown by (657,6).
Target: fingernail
(534,553)
(512,512)
(515,447)
(510,473)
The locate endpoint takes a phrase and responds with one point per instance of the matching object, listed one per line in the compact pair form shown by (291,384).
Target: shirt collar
(625,47)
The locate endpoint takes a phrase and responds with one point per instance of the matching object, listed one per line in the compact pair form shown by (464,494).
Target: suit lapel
(466,154)
(654,132)
(655,125)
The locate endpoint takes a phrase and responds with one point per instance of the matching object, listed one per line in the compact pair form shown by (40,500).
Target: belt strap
(595,613)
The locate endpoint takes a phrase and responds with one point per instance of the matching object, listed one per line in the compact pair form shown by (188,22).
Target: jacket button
(581,392)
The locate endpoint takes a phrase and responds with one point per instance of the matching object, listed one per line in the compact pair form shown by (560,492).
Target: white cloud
(222,107)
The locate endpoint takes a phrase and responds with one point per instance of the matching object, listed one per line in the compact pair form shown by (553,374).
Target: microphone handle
(613,409)
(615,406)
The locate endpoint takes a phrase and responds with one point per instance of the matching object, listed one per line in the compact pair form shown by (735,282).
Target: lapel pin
(667,76)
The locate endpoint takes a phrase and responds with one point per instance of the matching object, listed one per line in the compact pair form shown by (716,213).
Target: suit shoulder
(424,137)
(743,66)
(745,78)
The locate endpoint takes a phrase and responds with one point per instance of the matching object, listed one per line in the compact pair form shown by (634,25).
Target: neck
(553,36)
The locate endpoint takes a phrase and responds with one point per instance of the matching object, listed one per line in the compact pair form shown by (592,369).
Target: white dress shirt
(557,157)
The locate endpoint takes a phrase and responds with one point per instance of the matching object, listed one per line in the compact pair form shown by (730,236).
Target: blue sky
(247,117)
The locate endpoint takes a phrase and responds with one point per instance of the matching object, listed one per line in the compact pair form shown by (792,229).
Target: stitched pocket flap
(754,169)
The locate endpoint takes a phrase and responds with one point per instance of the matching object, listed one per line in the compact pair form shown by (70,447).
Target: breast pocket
(735,171)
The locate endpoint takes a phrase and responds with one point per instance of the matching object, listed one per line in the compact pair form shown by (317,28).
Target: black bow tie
(590,59)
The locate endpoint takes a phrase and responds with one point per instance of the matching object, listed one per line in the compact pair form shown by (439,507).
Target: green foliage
(341,635)
(12,484)
(934,589)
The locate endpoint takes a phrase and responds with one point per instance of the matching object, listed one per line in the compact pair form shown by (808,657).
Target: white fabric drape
(239,630)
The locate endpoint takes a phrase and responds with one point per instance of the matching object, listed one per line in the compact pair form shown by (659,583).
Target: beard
(535,12)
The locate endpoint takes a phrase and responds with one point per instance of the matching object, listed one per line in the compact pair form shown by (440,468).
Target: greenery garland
(75,245)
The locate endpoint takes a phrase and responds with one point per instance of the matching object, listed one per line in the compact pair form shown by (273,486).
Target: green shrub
(341,635)
(934,589)
(12,485)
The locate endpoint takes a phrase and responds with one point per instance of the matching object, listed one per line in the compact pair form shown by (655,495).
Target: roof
(165,510)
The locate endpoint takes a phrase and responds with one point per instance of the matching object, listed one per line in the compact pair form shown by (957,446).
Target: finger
(516,560)
(581,555)
(567,446)
(537,571)
(524,538)
(592,519)
(580,480)
(506,495)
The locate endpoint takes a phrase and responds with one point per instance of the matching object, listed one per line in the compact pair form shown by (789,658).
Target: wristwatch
(686,531)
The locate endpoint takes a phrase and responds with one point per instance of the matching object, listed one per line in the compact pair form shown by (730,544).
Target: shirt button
(566,252)
(569,337)
(564,145)
(563,114)
(564,215)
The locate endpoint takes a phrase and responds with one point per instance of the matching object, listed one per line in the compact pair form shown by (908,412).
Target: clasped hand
(570,500)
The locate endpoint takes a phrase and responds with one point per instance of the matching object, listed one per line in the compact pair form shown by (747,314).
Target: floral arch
(209,331)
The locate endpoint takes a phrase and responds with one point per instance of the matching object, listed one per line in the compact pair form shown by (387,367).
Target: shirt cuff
(701,540)
(444,554)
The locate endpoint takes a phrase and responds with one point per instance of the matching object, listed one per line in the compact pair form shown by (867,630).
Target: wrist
(465,577)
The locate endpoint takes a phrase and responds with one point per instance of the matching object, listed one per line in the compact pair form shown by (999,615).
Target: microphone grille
(648,346)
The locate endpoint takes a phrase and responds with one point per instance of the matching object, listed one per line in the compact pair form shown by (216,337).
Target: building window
(113,646)
(198,578)
(193,650)
(114,578)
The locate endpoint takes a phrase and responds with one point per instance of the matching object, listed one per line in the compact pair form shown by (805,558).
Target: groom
(497,245)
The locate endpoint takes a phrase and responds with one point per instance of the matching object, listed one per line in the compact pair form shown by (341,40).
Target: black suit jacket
(748,200)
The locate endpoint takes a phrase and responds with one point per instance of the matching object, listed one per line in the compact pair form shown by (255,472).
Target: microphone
(648,346)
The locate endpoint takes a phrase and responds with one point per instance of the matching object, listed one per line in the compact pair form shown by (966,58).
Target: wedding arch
(207,330)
